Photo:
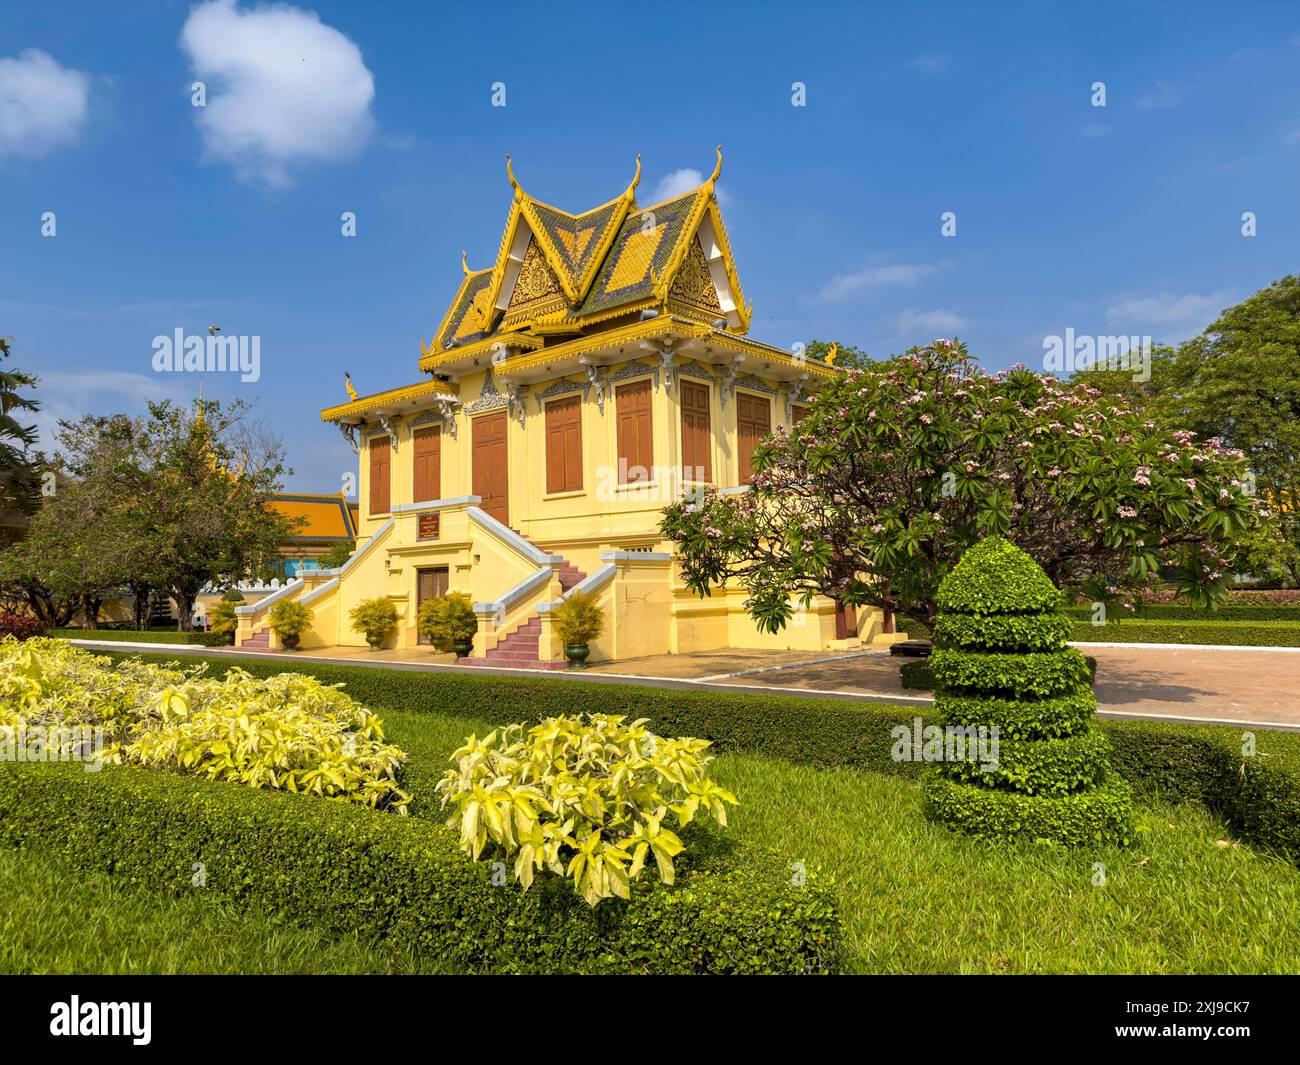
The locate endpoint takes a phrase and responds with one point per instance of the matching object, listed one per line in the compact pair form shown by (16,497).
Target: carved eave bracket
(515,397)
(350,435)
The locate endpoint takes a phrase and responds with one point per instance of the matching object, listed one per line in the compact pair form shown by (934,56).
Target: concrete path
(1225,685)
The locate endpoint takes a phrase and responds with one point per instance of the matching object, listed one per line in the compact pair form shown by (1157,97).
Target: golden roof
(558,273)
(325,517)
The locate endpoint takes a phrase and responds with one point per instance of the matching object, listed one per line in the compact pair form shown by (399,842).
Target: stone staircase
(519,649)
(259,641)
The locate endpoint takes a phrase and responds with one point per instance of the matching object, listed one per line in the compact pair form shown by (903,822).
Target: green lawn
(917,898)
(58,920)
(914,897)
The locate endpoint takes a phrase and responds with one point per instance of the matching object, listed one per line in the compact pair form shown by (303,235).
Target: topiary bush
(375,619)
(1003,668)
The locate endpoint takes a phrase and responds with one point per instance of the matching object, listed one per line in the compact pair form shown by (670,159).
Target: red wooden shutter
(635,436)
(490,474)
(754,422)
(564,445)
(697,440)
(427,455)
(381,464)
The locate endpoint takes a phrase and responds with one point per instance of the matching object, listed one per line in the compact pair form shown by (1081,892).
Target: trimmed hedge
(1004,632)
(351,870)
(1038,673)
(1037,766)
(1229,633)
(1184,612)
(205,639)
(1100,815)
(917,675)
(1259,796)
(1053,782)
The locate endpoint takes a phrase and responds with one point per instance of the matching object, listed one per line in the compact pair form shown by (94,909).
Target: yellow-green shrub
(288,732)
(587,799)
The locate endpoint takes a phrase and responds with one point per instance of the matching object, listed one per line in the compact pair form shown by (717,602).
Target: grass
(914,897)
(917,898)
(58,920)
(129,635)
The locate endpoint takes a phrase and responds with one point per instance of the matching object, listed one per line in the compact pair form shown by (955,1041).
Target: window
(697,440)
(798,414)
(753,423)
(427,455)
(381,464)
(564,445)
(635,439)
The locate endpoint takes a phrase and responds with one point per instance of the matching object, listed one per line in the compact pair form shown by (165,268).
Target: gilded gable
(694,285)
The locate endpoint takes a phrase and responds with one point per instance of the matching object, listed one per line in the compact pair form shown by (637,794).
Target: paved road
(1230,685)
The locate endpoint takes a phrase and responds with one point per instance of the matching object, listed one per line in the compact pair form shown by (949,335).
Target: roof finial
(717,169)
(198,421)
(510,173)
(464,262)
(347,384)
(636,180)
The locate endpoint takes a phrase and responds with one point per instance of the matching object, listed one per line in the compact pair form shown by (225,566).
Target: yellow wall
(648,610)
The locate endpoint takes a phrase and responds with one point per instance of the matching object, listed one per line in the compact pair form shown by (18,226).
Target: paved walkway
(1249,686)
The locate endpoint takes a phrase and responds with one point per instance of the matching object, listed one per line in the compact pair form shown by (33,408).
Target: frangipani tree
(901,466)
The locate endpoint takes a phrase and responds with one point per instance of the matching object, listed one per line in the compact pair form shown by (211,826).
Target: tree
(1240,381)
(196,504)
(18,476)
(163,502)
(337,554)
(899,467)
(1007,684)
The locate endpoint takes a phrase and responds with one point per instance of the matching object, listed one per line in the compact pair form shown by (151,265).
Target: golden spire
(347,383)
(629,195)
(510,173)
(717,170)
(198,420)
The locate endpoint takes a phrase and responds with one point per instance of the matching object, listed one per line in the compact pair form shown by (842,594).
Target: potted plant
(376,618)
(289,620)
(449,623)
(222,620)
(578,620)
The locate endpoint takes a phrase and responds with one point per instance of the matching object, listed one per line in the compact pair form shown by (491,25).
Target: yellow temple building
(596,371)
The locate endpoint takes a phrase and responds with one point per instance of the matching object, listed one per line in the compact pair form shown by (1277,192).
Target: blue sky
(1117,220)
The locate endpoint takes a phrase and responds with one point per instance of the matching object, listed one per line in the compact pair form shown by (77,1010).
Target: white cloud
(679,182)
(875,276)
(929,63)
(284,89)
(42,105)
(1162,96)
(930,323)
(1168,316)
(69,396)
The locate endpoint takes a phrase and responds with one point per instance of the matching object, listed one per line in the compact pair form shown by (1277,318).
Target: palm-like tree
(17,471)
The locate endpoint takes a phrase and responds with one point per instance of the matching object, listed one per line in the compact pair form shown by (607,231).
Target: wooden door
(753,423)
(426,452)
(430,583)
(564,445)
(846,621)
(635,433)
(490,476)
(697,439)
(381,465)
